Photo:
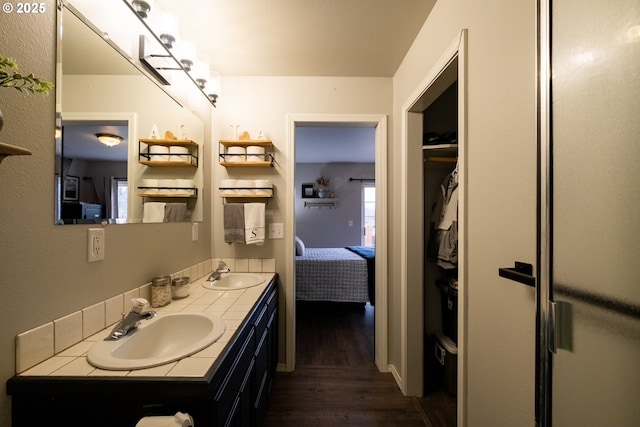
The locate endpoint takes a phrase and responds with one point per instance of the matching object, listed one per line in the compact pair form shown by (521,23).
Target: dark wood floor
(336,382)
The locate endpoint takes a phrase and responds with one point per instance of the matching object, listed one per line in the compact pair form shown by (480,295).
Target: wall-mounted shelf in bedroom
(319,203)
(246,153)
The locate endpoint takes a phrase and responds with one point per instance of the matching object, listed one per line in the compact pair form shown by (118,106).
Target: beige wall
(43,268)
(257,103)
(501,163)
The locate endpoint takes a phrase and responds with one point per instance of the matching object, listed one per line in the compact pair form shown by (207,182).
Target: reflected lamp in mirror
(201,72)
(213,88)
(167,29)
(108,139)
(186,54)
(142,7)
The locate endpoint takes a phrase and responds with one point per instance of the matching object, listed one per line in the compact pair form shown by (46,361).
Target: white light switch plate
(276,230)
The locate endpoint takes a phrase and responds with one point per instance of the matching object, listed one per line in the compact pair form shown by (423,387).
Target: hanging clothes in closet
(445,223)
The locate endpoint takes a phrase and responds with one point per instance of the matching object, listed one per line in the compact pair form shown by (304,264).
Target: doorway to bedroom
(336,315)
(334,310)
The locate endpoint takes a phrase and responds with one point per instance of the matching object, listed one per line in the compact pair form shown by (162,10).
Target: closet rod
(441,159)
(362,179)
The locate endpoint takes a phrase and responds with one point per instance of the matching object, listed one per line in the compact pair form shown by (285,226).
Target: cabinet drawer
(261,322)
(231,385)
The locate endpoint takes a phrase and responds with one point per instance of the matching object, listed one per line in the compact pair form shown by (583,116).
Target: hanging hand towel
(254,223)
(153,212)
(234,223)
(175,212)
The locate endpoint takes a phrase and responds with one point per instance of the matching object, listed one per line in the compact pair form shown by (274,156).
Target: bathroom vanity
(232,392)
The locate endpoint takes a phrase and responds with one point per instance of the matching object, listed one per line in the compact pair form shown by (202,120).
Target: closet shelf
(444,150)
(440,153)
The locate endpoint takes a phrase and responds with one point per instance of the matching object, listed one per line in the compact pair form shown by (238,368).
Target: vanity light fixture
(109,139)
(213,88)
(161,52)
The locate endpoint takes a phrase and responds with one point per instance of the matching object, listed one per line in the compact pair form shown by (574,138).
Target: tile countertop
(232,306)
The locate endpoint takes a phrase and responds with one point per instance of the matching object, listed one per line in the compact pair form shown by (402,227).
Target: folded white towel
(254,223)
(153,212)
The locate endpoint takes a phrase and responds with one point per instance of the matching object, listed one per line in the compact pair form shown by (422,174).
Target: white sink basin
(230,281)
(163,339)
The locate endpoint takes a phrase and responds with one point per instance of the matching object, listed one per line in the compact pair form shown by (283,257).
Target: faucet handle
(139,304)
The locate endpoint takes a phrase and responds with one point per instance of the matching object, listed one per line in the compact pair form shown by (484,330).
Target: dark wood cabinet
(232,393)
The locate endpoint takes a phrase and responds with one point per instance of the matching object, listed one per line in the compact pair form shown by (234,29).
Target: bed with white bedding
(331,274)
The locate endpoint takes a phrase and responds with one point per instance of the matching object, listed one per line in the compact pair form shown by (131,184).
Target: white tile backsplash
(269,265)
(128,296)
(63,337)
(255,265)
(242,265)
(67,331)
(113,309)
(93,319)
(34,346)
(231,263)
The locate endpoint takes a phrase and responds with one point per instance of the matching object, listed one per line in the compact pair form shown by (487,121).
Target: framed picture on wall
(307,191)
(70,188)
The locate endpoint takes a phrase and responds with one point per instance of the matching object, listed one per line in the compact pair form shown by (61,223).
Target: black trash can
(449,305)
(446,354)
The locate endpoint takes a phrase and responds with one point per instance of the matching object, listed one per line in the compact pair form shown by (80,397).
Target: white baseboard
(397,377)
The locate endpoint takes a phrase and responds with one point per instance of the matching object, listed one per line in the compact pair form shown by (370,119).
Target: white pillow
(299,247)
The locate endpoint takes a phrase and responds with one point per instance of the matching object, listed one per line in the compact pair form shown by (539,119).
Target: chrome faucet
(222,268)
(139,311)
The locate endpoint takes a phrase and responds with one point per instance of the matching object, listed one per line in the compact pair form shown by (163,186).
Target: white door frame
(380,123)
(412,335)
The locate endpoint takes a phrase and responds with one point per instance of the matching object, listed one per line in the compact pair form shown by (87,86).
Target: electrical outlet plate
(96,244)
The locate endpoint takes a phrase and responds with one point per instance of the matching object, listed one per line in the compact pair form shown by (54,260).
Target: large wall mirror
(101,92)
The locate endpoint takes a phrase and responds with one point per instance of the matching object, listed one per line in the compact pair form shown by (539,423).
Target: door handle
(521,272)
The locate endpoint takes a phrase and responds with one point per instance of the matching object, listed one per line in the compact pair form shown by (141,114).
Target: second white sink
(230,281)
